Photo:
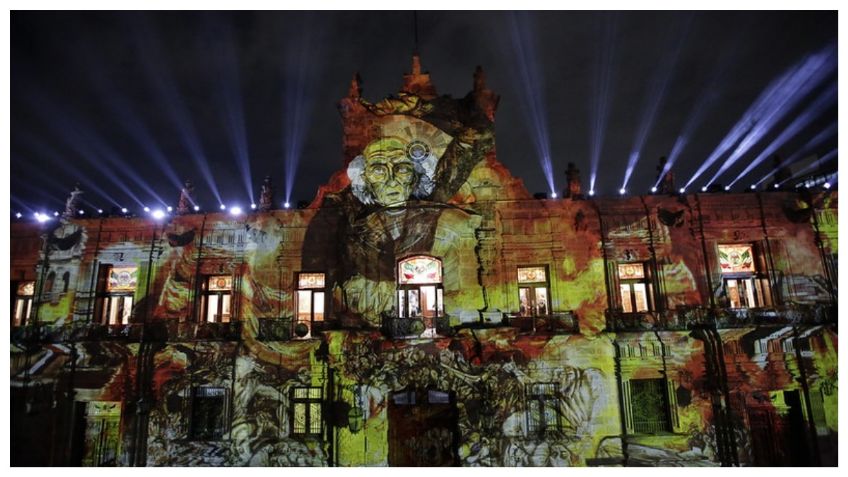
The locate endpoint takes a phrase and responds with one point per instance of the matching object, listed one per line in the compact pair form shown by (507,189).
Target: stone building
(424,309)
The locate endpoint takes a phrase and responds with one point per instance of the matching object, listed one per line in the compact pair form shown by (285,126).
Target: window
(217,298)
(208,413)
(420,293)
(23,303)
(117,295)
(649,408)
(533,291)
(100,422)
(743,285)
(635,287)
(310,299)
(306,411)
(542,408)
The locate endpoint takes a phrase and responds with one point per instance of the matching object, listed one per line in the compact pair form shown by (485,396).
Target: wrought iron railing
(558,322)
(396,327)
(275,329)
(689,317)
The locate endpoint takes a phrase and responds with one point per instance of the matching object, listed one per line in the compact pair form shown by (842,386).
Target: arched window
(66,279)
(48,285)
(420,287)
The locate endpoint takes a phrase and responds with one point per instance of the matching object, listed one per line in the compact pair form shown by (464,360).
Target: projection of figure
(72,204)
(184,206)
(266,197)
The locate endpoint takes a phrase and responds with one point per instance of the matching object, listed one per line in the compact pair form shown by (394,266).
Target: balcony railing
(419,327)
(275,329)
(154,331)
(684,318)
(564,322)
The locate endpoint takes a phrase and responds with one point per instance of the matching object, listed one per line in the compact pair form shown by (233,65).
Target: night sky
(136,102)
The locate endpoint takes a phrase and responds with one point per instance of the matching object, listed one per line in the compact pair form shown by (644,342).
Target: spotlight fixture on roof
(235,210)
(777,186)
(704,189)
(124,210)
(726,188)
(591,192)
(81,212)
(147,209)
(654,189)
(553,195)
(41,218)
(56,214)
(753,186)
(826,185)
(99,211)
(622,191)
(682,190)
(196,208)
(287,205)
(253,206)
(158,214)
(169,209)
(18,215)
(223,207)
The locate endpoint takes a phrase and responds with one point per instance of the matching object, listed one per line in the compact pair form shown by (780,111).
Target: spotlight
(196,208)
(81,212)
(99,211)
(253,206)
(18,215)
(621,191)
(654,189)
(41,218)
(147,209)
(704,189)
(591,192)
(726,188)
(235,210)
(753,186)
(170,209)
(55,214)
(826,185)
(124,210)
(223,207)
(777,186)
(287,205)
(682,190)
(553,195)
(158,214)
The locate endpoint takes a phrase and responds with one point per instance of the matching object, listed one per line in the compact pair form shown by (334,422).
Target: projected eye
(404,172)
(377,172)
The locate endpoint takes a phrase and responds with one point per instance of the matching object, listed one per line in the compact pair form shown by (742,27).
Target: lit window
(310,299)
(649,408)
(542,408)
(208,413)
(306,411)
(635,287)
(533,291)
(420,293)
(743,285)
(217,298)
(116,300)
(23,303)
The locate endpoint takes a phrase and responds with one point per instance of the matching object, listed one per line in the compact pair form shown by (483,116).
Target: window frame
(307,403)
(206,293)
(666,421)
(537,424)
(403,291)
(646,280)
(219,434)
(312,291)
(759,280)
(532,288)
(106,298)
(22,302)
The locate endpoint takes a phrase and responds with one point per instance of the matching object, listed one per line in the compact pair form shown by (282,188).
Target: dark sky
(111,96)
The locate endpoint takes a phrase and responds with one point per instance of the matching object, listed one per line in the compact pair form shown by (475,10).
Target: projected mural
(425,310)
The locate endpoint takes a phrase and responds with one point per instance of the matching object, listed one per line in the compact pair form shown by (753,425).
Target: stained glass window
(26,289)
(220,283)
(631,271)
(23,303)
(217,298)
(736,259)
(122,279)
(419,270)
(306,411)
(634,287)
(310,280)
(531,274)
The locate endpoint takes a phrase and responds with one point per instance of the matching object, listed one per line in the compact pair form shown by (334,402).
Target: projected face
(389,173)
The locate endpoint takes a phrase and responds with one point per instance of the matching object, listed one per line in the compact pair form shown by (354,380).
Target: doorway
(422,429)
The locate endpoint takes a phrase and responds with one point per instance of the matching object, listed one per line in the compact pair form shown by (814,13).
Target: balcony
(565,322)
(420,327)
(275,329)
(689,317)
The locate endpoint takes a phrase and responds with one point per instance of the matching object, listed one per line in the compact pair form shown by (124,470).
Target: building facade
(424,309)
